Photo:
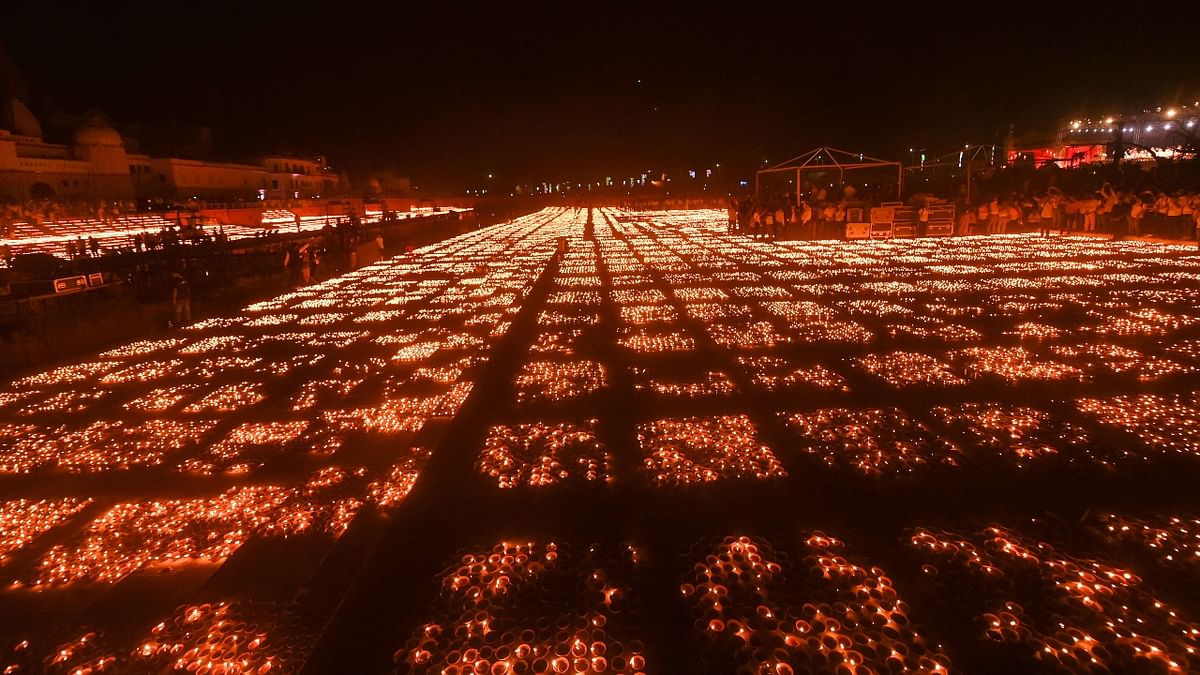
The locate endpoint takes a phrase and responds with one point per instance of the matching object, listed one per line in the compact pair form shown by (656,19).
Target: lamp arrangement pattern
(315,413)
(907,369)
(1023,434)
(698,385)
(1071,613)
(1165,423)
(760,610)
(529,607)
(705,449)
(554,381)
(541,455)
(874,442)
(773,374)
(1173,541)
(23,520)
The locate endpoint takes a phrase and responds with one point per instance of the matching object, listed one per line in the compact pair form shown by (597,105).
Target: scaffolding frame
(825,158)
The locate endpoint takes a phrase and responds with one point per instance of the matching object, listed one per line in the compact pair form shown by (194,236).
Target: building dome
(95,132)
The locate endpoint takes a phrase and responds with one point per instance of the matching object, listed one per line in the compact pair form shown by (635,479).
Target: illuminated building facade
(99,162)
(1164,132)
(96,164)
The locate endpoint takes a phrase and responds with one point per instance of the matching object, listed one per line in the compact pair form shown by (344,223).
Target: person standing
(1118,219)
(181,300)
(305,265)
(745,214)
(966,218)
(1136,210)
(1046,214)
(1176,227)
(1088,208)
(291,263)
(1071,216)
(1109,198)
(1003,215)
(1160,216)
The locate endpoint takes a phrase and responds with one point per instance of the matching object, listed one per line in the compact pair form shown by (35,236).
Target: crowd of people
(1109,210)
(339,247)
(785,218)
(47,211)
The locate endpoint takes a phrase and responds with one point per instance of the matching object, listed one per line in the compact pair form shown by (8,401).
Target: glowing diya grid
(541,455)
(533,607)
(756,607)
(705,449)
(874,442)
(227,399)
(1068,612)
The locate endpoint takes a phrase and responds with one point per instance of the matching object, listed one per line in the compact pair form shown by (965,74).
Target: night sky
(553,91)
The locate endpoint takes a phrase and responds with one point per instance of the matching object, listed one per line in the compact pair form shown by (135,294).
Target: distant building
(291,177)
(98,162)
(95,164)
(1167,133)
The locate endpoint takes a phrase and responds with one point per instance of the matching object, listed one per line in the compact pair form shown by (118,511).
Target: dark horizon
(551,93)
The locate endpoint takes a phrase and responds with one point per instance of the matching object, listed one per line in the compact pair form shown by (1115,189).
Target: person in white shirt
(1088,208)
(1136,210)
(1046,208)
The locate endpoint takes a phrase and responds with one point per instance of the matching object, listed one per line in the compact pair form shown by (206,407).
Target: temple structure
(98,163)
